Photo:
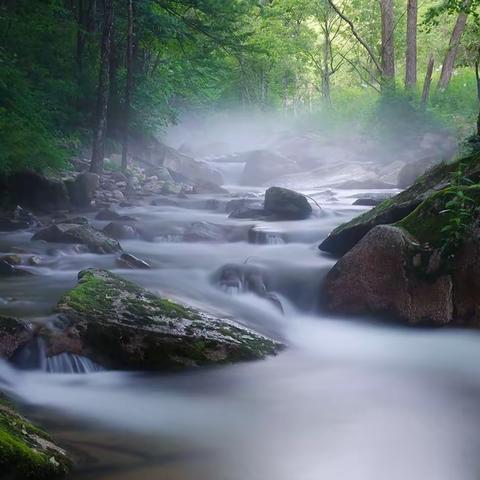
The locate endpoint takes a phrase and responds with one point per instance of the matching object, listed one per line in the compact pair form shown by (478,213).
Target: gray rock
(120,231)
(93,239)
(83,188)
(286,204)
(127,260)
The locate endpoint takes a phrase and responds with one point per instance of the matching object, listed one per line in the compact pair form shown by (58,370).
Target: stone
(83,188)
(13,335)
(286,204)
(93,239)
(381,275)
(26,451)
(367,202)
(107,214)
(118,324)
(208,188)
(127,260)
(120,231)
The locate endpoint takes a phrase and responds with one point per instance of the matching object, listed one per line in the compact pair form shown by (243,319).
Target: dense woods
(82,73)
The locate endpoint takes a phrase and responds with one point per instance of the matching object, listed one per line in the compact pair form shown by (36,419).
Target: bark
(85,25)
(129,85)
(103,91)
(411,53)
(428,81)
(449,61)
(326,65)
(388,48)
(477,76)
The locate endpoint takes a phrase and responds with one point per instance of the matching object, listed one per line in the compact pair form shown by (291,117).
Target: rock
(164,201)
(13,335)
(208,187)
(286,204)
(379,276)
(120,231)
(23,215)
(344,237)
(6,268)
(107,214)
(121,325)
(26,452)
(263,165)
(367,202)
(75,220)
(249,213)
(34,261)
(36,192)
(83,188)
(93,239)
(127,260)
(12,259)
(411,171)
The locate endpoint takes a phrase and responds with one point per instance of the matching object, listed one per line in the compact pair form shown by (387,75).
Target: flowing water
(348,400)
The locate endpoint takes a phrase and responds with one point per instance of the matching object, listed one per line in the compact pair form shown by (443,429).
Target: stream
(349,399)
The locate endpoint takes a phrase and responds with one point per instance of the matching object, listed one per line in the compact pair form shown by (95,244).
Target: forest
(239,239)
(75,71)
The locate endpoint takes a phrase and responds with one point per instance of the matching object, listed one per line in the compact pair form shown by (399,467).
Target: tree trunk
(326,65)
(427,82)
(449,61)
(103,91)
(388,48)
(477,76)
(129,85)
(411,53)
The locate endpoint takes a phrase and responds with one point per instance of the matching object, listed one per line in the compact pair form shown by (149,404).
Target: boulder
(120,231)
(367,202)
(286,204)
(13,335)
(35,192)
(83,188)
(26,452)
(392,210)
(127,260)
(208,188)
(118,324)
(383,274)
(93,239)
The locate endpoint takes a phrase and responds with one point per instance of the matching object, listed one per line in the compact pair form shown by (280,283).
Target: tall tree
(449,61)
(103,91)
(129,84)
(411,52)
(388,41)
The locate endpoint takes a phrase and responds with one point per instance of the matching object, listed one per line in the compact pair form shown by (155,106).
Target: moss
(427,221)
(26,452)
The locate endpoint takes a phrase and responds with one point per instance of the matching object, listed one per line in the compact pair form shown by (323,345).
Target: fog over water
(349,399)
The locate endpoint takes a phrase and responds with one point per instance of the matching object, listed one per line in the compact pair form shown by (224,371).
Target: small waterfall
(34,357)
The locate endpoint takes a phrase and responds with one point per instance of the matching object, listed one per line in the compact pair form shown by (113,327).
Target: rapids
(348,400)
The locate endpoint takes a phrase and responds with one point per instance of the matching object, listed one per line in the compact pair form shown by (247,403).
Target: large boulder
(36,192)
(344,237)
(26,452)
(195,171)
(263,166)
(13,335)
(286,204)
(83,188)
(119,324)
(93,239)
(385,273)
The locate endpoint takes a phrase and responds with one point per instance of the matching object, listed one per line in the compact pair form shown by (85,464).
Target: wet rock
(286,204)
(107,214)
(7,269)
(26,451)
(36,192)
(392,210)
(12,259)
(121,325)
(13,335)
(120,231)
(83,188)
(127,260)
(380,275)
(34,261)
(93,239)
(249,213)
(210,232)
(23,215)
(75,220)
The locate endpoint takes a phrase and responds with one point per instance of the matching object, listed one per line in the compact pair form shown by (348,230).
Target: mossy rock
(121,325)
(26,452)
(395,209)
(427,221)
(93,239)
